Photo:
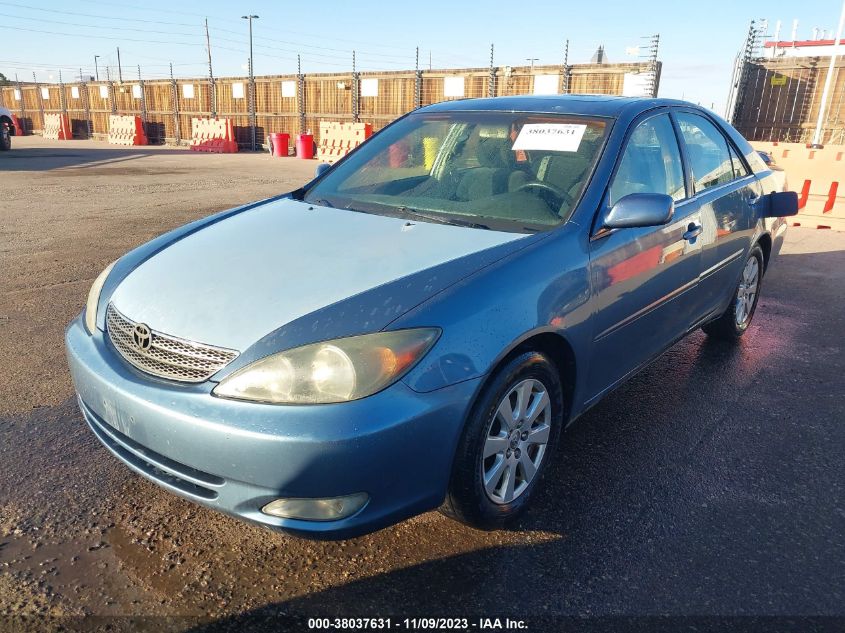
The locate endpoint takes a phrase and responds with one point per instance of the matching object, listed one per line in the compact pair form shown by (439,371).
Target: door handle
(693,231)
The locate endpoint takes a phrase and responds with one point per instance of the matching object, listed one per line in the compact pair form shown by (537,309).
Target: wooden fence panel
(327,96)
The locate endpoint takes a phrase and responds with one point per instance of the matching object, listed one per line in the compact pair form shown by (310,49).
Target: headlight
(94,298)
(333,371)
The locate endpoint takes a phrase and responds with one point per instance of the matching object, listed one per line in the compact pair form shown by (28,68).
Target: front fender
(545,288)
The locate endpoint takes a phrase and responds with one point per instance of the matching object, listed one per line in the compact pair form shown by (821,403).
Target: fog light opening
(328,509)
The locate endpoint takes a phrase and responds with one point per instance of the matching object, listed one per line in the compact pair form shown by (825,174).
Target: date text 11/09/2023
(417,624)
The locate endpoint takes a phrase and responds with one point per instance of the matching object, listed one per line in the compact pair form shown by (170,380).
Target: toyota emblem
(142,337)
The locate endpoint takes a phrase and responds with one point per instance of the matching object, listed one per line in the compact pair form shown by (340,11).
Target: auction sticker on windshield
(558,137)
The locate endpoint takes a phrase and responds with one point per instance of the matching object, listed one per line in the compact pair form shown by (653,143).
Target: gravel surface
(710,484)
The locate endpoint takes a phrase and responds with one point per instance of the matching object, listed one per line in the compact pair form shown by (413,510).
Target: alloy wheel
(747,291)
(516,441)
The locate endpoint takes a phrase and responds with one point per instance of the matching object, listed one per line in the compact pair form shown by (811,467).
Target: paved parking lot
(711,484)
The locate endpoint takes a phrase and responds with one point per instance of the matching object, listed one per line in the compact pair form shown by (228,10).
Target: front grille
(167,357)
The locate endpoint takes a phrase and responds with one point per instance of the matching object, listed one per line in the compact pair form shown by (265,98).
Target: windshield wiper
(441,218)
(322,202)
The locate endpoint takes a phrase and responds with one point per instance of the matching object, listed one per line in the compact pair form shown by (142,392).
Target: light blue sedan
(415,327)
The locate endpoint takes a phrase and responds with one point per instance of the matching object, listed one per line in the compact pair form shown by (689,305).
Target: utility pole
(96,68)
(119,68)
(211,89)
(817,136)
(250,18)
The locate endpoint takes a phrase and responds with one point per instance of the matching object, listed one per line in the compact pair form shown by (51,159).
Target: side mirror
(640,209)
(781,203)
(322,168)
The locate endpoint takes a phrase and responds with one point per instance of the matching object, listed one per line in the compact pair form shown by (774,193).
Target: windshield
(499,170)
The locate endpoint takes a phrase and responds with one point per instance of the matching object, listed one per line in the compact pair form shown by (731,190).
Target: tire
(468,500)
(734,321)
(5,138)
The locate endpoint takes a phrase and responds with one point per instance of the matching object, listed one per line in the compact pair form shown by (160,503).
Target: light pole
(531,61)
(250,18)
(96,69)
(817,136)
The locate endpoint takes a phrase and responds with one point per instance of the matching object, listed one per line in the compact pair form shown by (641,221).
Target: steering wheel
(550,194)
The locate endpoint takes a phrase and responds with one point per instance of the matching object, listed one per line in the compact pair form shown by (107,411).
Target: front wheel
(508,442)
(733,323)
(5,138)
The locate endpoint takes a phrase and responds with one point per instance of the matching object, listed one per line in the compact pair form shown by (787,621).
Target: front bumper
(397,446)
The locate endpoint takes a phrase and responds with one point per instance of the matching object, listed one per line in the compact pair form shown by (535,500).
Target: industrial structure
(790,90)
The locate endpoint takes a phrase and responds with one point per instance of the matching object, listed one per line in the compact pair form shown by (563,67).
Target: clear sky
(698,40)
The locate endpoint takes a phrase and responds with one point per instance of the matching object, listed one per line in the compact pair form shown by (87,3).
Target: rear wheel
(733,323)
(508,443)
(5,138)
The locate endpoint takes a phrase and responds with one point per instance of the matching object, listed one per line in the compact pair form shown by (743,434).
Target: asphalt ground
(709,486)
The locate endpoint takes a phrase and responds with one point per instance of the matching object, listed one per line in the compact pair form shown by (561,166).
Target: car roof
(595,105)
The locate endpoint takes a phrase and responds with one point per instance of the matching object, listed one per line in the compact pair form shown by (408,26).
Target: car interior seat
(491,176)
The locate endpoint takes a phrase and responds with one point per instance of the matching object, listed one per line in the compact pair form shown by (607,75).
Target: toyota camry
(415,327)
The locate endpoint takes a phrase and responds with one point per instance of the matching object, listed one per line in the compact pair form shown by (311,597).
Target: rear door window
(740,170)
(707,150)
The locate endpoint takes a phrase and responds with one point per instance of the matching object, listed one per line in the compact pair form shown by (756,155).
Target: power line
(183,24)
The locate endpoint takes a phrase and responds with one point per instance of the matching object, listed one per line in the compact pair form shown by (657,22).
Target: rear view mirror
(640,209)
(781,203)
(322,168)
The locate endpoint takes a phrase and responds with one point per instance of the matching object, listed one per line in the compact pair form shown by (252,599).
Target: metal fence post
(567,69)
(745,66)
(252,124)
(112,103)
(355,106)
(143,103)
(491,83)
(62,100)
(22,106)
(417,82)
(86,102)
(300,95)
(652,64)
(40,100)
(177,124)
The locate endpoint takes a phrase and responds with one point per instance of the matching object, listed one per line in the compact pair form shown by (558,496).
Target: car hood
(236,280)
